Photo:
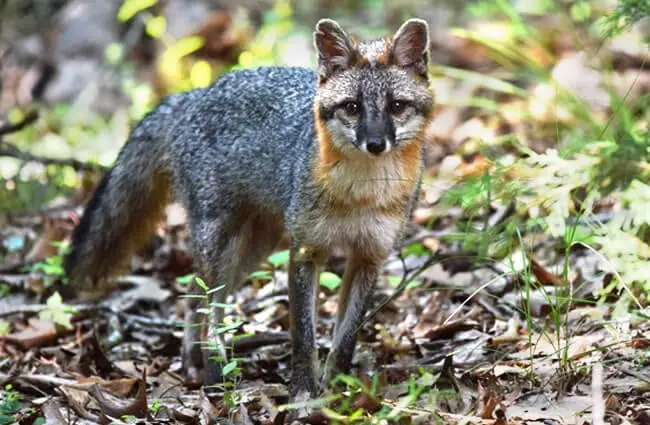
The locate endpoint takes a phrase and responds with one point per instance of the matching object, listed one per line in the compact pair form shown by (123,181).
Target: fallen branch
(52,412)
(7,149)
(10,310)
(10,150)
(35,217)
(251,342)
(36,379)
(31,117)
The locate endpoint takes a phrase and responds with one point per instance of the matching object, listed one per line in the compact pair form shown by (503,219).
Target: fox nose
(376,145)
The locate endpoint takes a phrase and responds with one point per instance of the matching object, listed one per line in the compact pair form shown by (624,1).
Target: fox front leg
(356,293)
(303,291)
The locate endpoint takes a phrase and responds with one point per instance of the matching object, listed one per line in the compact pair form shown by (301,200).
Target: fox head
(372,97)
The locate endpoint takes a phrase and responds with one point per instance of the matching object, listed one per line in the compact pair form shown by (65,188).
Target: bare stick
(8,149)
(31,117)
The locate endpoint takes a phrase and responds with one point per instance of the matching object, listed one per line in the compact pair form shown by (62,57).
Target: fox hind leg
(226,251)
(212,242)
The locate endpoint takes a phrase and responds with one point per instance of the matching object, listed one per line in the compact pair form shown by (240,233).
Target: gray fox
(333,157)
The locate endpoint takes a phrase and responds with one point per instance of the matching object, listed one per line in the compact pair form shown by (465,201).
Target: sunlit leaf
(156,26)
(114,53)
(415,249)
(195,296)
(4,328)
(246,59)
(229,367)
(201,283)
(215,289)
(130,8)
(201,74)
(15,115)
(185,46)
(280,258)
(395,281)
(261,275)
(331,414)
(221,305)
(188,278)
(330,280)
(58,312)
(581,11)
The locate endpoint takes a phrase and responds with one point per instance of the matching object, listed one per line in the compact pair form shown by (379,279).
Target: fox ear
(336,51)
(410,46)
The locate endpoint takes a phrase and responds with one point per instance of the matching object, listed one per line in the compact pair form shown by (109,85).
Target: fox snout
(377,145)
(375,132)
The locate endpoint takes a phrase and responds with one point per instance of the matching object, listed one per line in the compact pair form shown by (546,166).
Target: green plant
(52,266)
(558,194)
(10,404)
(563,185)
(343,405)
(4,290)
(230,369)
(279,259)
(627,13)
(5,328)
(62,132)
(155,407)
(57,311)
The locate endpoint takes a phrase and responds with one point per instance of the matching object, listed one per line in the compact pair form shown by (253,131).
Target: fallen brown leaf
(117,409)
(542,274)
(38,333)
(118,387)
(640,341)
(488,399)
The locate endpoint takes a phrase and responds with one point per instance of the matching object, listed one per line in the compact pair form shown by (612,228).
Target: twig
(30,217)
(489,307)
(31,117)
(37,379)
(419,237)
(17,309)
(7,149)
(255,341)
(402,286)
(598,409)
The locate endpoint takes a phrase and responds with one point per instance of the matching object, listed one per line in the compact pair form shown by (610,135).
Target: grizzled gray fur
(332,158)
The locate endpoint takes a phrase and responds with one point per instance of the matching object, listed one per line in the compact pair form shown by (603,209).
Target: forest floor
(486,314)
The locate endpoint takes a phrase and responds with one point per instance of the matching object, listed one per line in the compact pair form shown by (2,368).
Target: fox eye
(351,108)
(397,107)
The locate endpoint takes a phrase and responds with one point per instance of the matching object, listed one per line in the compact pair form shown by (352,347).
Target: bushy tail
(126,206)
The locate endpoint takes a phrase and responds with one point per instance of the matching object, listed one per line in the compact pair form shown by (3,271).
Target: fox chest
(362,202)
(364,227)
(359,215)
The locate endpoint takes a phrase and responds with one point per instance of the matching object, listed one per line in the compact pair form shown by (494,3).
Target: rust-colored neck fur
(373,182)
